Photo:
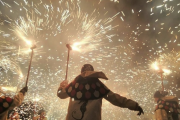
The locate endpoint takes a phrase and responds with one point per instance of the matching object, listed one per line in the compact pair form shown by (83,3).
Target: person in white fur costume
(86,93)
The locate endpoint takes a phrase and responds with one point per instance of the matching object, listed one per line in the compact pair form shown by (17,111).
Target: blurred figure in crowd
(167,106)
(7,103)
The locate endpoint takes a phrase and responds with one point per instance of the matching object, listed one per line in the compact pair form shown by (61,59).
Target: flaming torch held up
(69,49)
(161,70)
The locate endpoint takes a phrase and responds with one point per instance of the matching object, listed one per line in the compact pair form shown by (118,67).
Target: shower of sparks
(9,89)
(158,67)
(123,42)
(10,64)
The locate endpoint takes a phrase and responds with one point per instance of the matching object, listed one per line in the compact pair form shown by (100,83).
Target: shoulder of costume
(170,98)
(5,103)
(93,74)
(87,86)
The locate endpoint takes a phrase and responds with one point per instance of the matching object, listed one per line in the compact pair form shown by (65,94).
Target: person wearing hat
(7,103)
(86,92)
(167,106)
(41,115)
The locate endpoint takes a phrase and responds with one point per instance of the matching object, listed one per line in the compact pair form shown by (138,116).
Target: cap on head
(87,67)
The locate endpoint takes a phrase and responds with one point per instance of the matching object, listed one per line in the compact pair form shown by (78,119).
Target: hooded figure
(7,103)
(167,106)
(86,92)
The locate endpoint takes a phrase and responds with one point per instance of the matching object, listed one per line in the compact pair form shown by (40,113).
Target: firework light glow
(155,66)
(158,67)
(121,38)
(76,46)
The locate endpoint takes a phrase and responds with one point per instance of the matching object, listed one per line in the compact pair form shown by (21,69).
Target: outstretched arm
(19,98)
(61,93)
(123,102)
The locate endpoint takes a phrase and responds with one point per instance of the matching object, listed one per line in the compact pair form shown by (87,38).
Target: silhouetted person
(86,93)
(167,106)
(7,103)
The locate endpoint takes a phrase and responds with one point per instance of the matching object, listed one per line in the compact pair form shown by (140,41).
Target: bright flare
(155,66)
(76,46)
(28,42)
(166,71)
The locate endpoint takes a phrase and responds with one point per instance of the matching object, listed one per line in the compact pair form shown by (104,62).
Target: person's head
(87,67)
(42,113)
(159,94)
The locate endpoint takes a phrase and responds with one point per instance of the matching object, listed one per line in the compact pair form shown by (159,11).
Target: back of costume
(167,108)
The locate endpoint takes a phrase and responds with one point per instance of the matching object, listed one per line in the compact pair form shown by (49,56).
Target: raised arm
(123,102)
(19,98)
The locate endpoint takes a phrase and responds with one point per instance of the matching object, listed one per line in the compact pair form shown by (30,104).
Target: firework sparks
(121,41)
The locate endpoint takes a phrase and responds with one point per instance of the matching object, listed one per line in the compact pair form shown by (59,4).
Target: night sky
(121,38)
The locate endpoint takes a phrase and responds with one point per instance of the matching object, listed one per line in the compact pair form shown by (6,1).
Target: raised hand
(63,84)
(24,90)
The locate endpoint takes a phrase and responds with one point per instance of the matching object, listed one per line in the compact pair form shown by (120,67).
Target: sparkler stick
(69,48)
(32,48)
(161,73)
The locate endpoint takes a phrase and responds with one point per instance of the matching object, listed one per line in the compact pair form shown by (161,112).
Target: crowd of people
(85,95)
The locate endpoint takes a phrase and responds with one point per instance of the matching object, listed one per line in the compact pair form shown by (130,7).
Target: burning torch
(73,47)
(69,49)
(161,71)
